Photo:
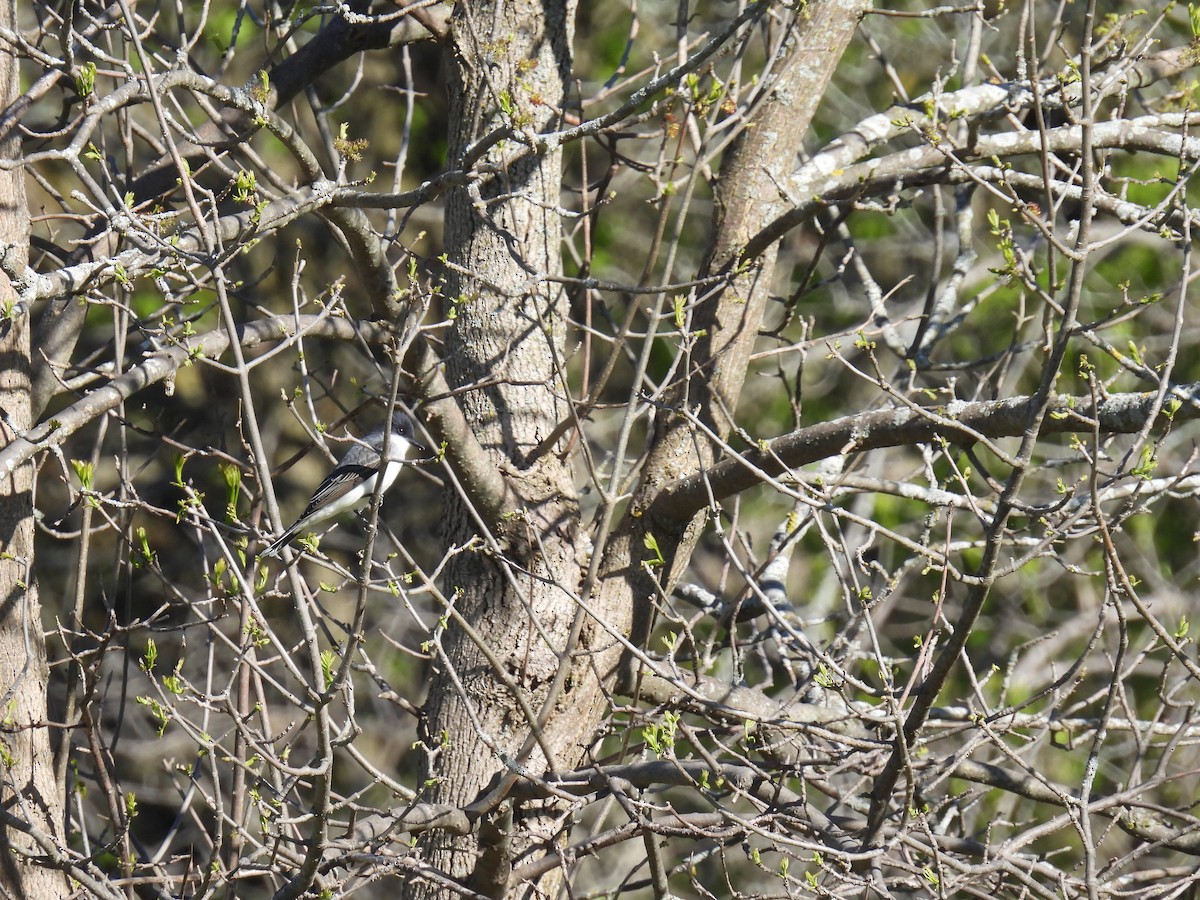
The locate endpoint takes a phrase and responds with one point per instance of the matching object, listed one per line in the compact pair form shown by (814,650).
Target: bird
(353,480)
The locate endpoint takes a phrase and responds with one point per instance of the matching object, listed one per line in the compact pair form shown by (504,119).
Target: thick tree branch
(729,320)
(336,42)
(821,181)
(165,363)
(958,422)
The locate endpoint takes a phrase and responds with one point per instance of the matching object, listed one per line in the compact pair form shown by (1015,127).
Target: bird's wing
(364,452)
(336,485)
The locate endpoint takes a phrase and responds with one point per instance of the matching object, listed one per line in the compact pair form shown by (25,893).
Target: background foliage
(770,745)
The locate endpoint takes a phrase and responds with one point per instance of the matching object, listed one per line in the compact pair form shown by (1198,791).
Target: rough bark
(28,792)
(510,65)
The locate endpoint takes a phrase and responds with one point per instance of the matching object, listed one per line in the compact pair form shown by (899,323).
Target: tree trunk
(28,794)
(510,65)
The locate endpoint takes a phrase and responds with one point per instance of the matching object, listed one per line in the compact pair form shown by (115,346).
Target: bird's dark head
(402,426)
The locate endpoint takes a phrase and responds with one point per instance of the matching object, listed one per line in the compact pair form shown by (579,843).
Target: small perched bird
(353,481)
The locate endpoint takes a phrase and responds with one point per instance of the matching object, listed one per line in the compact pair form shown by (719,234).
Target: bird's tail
(273,548)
